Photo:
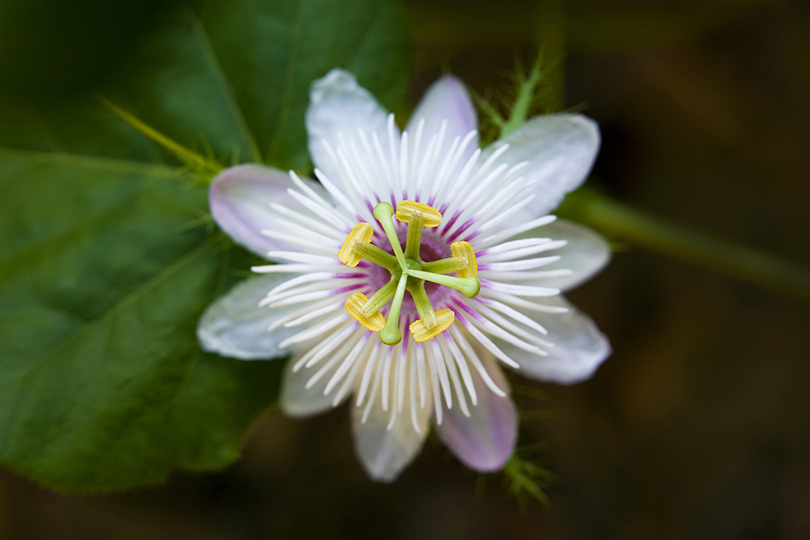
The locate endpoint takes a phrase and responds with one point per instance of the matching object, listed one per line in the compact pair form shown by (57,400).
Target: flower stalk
(622,222)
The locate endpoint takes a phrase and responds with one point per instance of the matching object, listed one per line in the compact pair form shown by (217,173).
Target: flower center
(408,273)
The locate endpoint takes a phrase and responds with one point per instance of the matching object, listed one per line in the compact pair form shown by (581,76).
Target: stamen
(373,254)
(465,250)
(446,266)
(470,286)
(357,247)
(380,298)
(422,303)
(355,304)
(391,334)
(420,331)
(414,239)
(384,213)
(348,254)
(408,272)
(406,209)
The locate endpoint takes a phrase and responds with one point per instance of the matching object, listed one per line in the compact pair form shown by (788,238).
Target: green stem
(622,222)
(520,110)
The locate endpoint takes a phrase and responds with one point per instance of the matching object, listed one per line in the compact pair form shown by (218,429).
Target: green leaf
(109,255)
(102,383)
(233,79)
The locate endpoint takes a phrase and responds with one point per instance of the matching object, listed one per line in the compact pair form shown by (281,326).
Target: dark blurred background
(696,427)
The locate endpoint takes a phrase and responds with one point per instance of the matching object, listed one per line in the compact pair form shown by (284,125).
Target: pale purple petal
(446,99)
(560,150)
(240,199)
(486,439)
(235,326)
(338,105)
(579,347)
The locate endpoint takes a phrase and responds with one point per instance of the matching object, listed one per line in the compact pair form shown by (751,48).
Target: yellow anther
(444,318)
(362,232)
(354,305)
(432,217)
(465,250)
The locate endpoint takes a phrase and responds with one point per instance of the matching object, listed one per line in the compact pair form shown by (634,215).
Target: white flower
(493,201)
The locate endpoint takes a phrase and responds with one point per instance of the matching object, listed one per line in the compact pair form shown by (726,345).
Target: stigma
(408,273)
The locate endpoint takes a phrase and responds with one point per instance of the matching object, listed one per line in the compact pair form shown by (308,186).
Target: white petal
(240,199)
(385,452)
(579,347)
(298,400)
(486,439)
(585,254)
(338,104)
(235,325)
(560,150)
(447,99)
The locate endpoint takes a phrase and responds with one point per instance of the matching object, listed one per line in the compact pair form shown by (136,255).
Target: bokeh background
(697,426)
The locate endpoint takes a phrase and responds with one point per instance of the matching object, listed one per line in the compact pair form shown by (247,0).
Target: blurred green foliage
(49,47)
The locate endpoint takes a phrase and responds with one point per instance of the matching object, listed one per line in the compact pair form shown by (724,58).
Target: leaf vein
(227,89)
(92,162)
(119,307)
(289,79)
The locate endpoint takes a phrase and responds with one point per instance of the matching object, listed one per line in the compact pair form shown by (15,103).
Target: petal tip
(485,441)
(585,367)
(336,78)
(593,365)
(452,81)
(239,199)
(589,125)
(381,473)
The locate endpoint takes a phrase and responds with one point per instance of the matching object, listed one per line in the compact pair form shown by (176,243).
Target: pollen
(444,318)
(465,250)
(354,305)
(361,233)
(431,216)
